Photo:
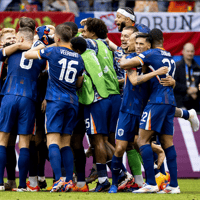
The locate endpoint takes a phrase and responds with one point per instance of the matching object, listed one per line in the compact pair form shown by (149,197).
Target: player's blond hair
(7,30)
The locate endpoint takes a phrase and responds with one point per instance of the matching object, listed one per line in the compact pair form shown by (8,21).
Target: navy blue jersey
(117,56)
(156,58)
(65,66)
(142,28)
(22,75)
(135,97)
(92,45)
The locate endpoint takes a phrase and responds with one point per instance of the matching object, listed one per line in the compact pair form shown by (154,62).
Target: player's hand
(43,32)
(168,81)
(44,105)
(24,45)
(162,70)
(83,22)
(192,90)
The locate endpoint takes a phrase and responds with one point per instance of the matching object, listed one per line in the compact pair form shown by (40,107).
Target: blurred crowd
(77,6)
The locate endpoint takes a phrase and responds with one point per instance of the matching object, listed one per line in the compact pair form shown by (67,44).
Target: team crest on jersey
(120,132)
(42,51)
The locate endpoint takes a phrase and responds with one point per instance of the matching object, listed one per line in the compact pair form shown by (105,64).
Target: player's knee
(119,150)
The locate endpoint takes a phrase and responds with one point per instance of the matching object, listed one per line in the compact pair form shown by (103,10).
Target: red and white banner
(10,19)
(166,21)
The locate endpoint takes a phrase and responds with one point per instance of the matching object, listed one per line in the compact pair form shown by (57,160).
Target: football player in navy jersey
(134,100)
(8,37)
(158,114)
(65,75)
(19,89)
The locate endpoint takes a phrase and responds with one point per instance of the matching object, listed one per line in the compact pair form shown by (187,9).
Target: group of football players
(58,84)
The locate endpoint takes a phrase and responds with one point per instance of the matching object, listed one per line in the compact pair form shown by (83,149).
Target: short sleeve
(45,53)
(144,57)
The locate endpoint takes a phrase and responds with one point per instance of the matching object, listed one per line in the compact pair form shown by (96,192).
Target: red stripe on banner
(173,42)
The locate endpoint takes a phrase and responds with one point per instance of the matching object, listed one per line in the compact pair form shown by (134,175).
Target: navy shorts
(115,103)
(60,117)
(18,111)
(96,116)
(158,118)
(127,126)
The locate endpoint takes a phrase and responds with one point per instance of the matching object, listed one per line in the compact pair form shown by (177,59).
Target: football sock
(135,166)
(33,181)
(41,178)
(80,161)
(11,162)
(2,163)
(33,159)
(147,157)
(68,161)
(185,115)
(115,168)
(172,165)
(108,163)
(102,172)
(23,164)
(162,169)
(123,168)
(55,160)
(134,162)
(80,184)
(43,153)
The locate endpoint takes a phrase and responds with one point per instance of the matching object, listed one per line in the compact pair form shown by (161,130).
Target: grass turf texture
(190,189)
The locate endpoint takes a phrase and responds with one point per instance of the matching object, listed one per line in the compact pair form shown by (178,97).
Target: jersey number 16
(69,70)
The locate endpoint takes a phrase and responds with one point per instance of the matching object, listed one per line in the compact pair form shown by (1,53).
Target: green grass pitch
(190,189)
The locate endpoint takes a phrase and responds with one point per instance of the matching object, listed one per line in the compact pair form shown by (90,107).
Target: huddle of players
(99,105)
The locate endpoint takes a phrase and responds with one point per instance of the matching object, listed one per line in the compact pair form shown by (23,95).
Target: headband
(125,13)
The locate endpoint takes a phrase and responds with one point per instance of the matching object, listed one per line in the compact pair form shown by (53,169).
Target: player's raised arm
(136,80)
(129,63)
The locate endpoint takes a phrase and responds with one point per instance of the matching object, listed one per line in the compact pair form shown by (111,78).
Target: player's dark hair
(157,35)
(27,32)
(64,31)
(27,22)
(98,27)
(129,10)
(79,43)
(132,28)
(146,36)
(73,26)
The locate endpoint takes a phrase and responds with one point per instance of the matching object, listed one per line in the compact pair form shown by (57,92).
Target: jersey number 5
(63,62)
